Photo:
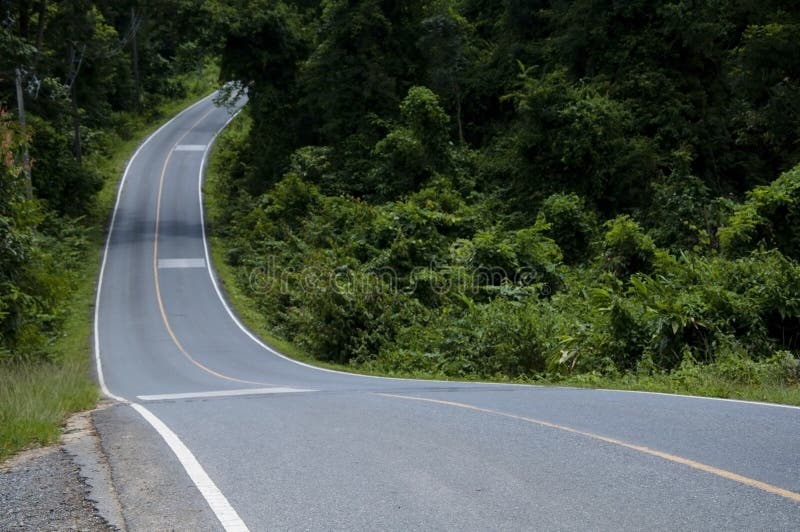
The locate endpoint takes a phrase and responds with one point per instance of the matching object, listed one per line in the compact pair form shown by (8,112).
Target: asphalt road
(266,443)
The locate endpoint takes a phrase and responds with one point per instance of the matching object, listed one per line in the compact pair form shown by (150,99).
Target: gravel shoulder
(43,490)
(61,487)
(110,472)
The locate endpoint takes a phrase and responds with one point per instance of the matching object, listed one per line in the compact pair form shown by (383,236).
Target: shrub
(680,211)
(770,216)
(500,338)
(349,315)
(571,225)
(413,151)
(290,201)
(626,248)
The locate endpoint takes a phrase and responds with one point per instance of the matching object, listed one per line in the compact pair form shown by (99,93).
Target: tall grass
(35,398)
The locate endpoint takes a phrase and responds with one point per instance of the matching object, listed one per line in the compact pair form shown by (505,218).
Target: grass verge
(745,380)
(35,398)
(702,383)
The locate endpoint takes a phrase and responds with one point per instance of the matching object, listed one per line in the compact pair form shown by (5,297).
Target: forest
(519,190)
(523,190)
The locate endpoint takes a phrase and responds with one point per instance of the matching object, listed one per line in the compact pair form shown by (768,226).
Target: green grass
(36,398)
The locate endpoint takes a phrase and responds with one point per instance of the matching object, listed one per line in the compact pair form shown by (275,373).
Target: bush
(412,152)
(680,213)
(499,339)
(770,217)
(290,201)
(349,315)
(626,248)
(571,225)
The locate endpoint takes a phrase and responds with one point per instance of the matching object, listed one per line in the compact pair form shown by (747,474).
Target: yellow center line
(155,270)
(729,475)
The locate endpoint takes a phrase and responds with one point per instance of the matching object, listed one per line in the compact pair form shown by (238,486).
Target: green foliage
(421,113)
(681,212)
(349,316)
(67,186)
(766,69)
(626,248)
(769,217)
(572,137)
(446,42)
(497,339)
(290,201)
(572,225)
(414,151)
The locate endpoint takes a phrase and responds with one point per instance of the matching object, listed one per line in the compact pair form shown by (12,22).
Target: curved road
(271,444)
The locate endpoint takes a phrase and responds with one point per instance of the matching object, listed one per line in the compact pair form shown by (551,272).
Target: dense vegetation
(513,189)
(93,76)
(519,189)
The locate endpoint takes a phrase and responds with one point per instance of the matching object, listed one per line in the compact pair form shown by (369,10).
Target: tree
(444,42)
(415,150)
(262,47)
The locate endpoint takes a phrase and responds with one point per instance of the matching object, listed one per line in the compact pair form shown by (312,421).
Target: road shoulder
(60,487)
(151,485)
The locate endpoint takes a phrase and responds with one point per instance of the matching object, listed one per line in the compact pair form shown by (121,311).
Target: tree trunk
(135,60)
(76,116)
(458,115)
(76,127)
(40,32)
(26,160)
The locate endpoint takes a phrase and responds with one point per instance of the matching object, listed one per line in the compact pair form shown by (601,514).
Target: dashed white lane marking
(227,516)
(191,147)
(222,393)
(181,263)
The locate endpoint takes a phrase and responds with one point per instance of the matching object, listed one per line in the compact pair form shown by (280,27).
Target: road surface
(260,442)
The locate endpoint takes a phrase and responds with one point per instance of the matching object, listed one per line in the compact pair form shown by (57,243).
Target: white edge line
(223,393)
(216,500)
(222,509)
(232,314)
(685,396)
(272,351)
(269,349)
